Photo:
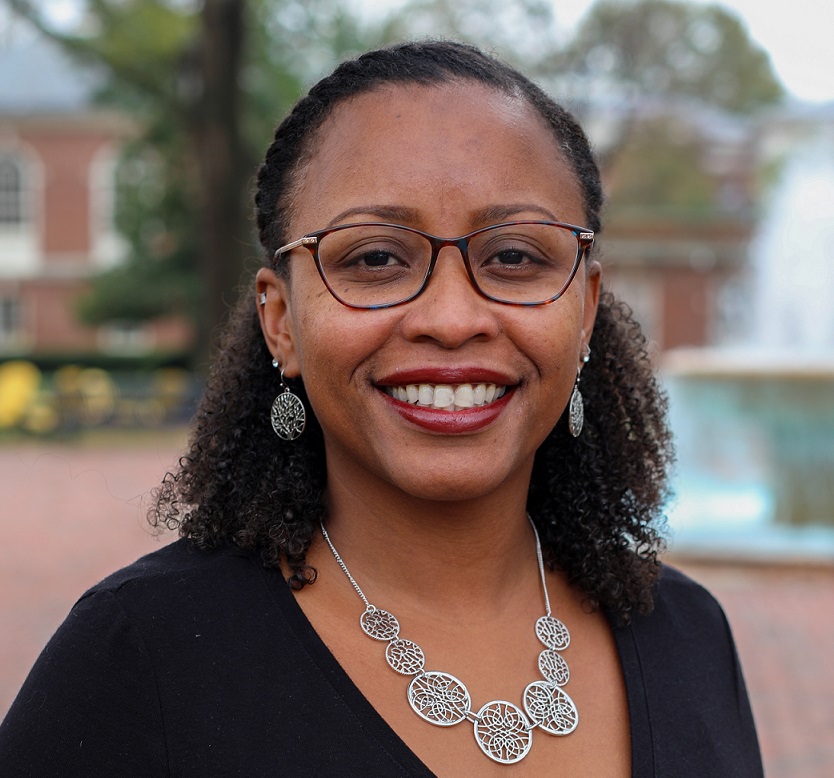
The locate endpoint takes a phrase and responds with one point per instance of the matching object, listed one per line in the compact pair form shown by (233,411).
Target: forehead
(445,151)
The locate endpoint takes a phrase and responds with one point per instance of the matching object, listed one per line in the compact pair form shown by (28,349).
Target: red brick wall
(686,308)
(66,159)
(51,316)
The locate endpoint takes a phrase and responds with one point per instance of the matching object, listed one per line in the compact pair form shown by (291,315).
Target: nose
(450,311)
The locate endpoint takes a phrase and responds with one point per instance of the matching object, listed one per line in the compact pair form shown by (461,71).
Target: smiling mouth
(446,397)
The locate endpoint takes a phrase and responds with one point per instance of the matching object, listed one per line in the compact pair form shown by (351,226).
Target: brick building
(58,154)
(682,192)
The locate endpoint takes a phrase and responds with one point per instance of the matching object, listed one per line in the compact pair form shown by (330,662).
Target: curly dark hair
(596,500)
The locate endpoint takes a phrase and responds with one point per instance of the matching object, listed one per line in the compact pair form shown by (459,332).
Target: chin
(449,487)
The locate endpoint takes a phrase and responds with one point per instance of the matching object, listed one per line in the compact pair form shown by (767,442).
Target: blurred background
(130,131)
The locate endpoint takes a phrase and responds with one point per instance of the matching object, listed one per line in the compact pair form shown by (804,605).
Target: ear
(275,313)
(593,282)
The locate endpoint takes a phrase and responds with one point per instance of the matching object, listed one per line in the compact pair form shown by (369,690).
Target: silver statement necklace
(503,731)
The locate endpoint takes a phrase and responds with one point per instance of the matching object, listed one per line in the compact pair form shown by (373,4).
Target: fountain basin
(755,437)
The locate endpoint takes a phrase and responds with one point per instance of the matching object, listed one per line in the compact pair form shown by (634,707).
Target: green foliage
(203,116)
(660,171)
(522,32)
(207,83)
(144,49)
(666,48)
(140,42)
(157,215)
(48,362)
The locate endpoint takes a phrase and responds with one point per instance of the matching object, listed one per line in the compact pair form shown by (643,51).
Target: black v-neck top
(189,663)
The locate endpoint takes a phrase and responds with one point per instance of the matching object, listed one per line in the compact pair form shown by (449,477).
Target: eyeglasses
(376,265)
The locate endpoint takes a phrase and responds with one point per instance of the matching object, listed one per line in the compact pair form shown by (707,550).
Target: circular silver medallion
(439,698)
(554,667)
(288,416)
(551,708)
(405,656)
(502,732)
(552,633)
(379,624)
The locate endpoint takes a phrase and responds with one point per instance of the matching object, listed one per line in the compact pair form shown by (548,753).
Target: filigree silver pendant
(439,698)
(503,732)
(379,624)
(552,633)
(288,416)
(405,656)
(550,708)
(553,666)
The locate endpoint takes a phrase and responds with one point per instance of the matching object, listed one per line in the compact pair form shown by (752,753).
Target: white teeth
(464,396)
(445,396)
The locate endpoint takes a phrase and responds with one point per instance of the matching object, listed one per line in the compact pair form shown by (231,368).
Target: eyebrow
(497,213)
(397,214)
(388,213)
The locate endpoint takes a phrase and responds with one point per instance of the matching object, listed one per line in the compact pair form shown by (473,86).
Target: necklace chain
(503,731)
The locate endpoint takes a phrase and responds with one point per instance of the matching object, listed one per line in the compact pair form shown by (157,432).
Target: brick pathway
(783,622)
(70,515)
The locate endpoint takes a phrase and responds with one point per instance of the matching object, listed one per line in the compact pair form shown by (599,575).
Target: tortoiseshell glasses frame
(551,253)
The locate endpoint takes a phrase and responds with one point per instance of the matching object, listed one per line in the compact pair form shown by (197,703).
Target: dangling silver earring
(288,416)
(576,407)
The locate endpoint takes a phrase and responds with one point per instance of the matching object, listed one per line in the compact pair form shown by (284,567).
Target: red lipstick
(450,422)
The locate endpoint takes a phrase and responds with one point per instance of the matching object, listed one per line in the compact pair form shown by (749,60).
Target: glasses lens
(524,263)
(367,265)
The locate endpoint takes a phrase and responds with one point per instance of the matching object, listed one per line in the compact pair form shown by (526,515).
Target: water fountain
(754,417)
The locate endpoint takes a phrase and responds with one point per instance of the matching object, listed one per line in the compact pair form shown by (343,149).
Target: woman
(474,405)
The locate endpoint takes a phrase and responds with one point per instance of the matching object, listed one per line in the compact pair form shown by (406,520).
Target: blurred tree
(526,33)
(207,83)
(176,71)
(660,175)
(661,48)
(647,67)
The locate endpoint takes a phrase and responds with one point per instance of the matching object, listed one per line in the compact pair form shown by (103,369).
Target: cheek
(333,342)
(559,334)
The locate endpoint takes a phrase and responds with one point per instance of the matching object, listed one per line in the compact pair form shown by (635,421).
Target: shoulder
(681,600)
(178,561)
(179,573)
(181,593)
(687,622)
(687,692)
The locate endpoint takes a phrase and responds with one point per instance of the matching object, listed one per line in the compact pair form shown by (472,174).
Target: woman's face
(446,160)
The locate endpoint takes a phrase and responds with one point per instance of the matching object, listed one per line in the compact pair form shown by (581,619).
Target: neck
(427,552)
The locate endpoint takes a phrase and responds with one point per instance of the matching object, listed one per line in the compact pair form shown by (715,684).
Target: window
(109,248)
(20,250)
(11,192)
(11,320)
(125,338)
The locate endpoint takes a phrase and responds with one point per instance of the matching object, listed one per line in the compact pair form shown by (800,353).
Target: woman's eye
(510,257)
(376,259)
